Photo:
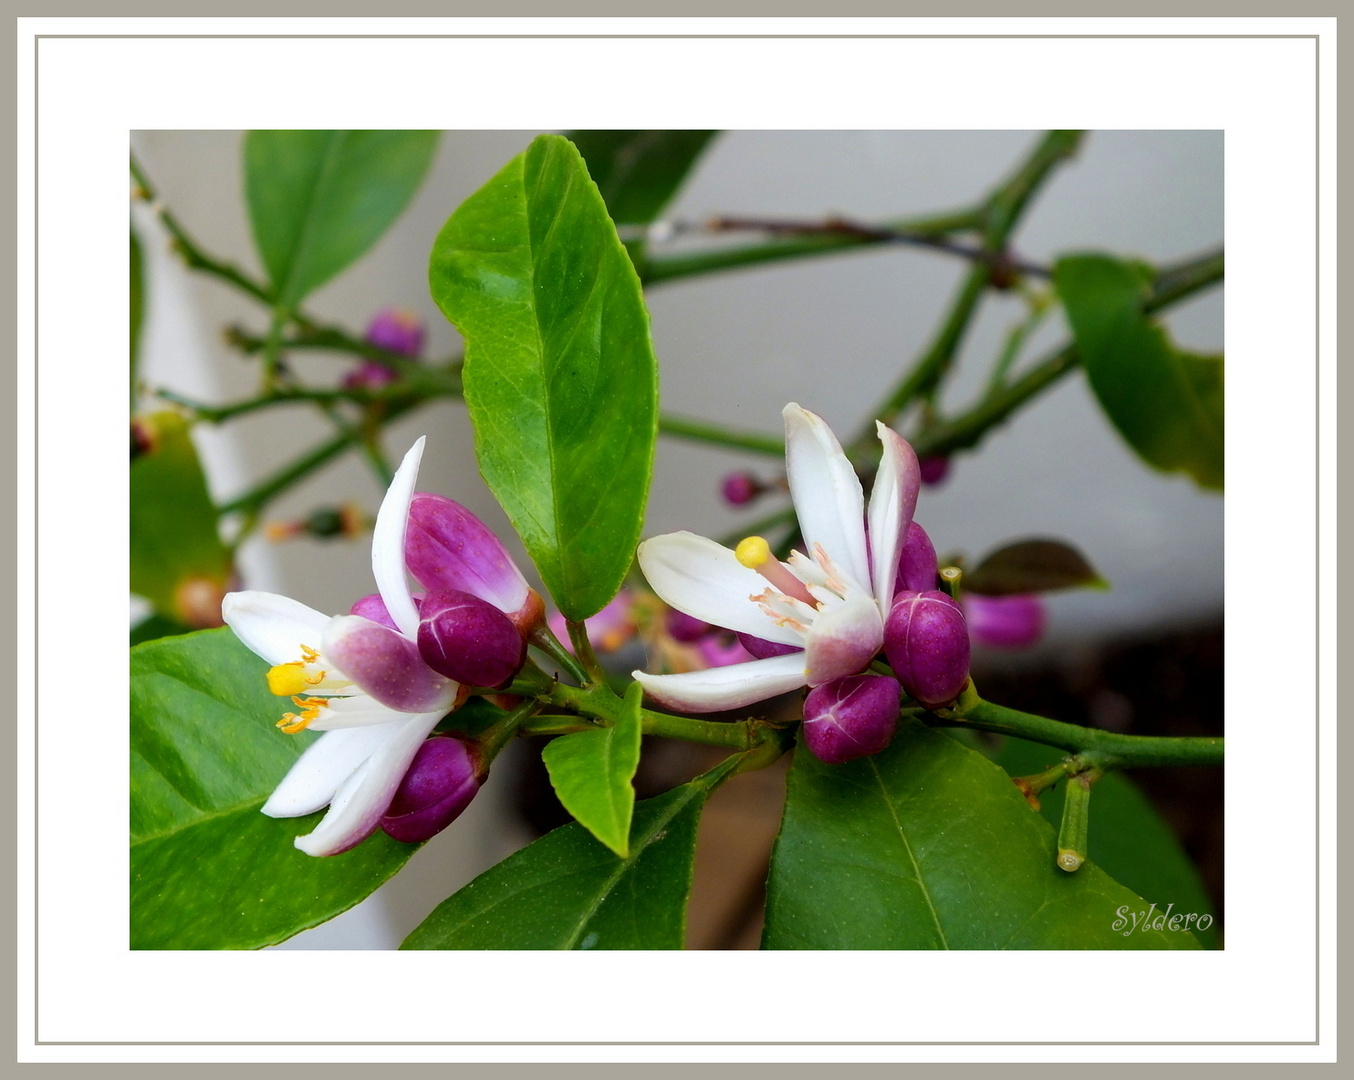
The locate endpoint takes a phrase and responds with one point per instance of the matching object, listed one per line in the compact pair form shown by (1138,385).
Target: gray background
(830,333)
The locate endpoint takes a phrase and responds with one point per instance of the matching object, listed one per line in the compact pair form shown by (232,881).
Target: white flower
(829,606)
(362,683)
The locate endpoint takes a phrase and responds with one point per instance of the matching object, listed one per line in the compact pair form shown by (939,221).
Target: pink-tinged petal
(387,543)
(362,800)
(272,626)
(386,665)
(449,548)
(892,504)
(826,492)
(843,640)
(716,689)
(706,581)
(322,769)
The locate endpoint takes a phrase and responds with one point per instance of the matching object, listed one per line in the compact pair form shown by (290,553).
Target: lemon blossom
(828,606)
(362,682)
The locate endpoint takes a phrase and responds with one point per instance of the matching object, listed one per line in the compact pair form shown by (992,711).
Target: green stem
(1015,341)
(1102,749)
(700,431)
(495,737)
(600,702)
(578,637)
(1076,819)
(544,639)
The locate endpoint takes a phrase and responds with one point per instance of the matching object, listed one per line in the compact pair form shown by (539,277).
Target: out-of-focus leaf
(138,308)
(638,172)
(318,200)
(208,871)
(1031,566)
(928,845)
(567,891)
(178,562)
(1166,403)
(591,773)
(560,376)
(156,626)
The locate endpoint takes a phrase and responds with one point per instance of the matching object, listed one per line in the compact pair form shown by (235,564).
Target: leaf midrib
(907,846)
(284,298)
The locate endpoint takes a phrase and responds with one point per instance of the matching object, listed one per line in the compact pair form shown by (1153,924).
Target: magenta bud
(934,470)
(917,563)
(469,640)
(442,779)
(683,627)
(763,649)
(1004,622)
(719,648)
(852,717)
(926,642)
(397,331)
(374,608)
(740,488)
(447,548)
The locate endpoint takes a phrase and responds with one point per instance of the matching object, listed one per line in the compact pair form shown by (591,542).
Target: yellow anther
(310,711)
(753,552)
(288,679)
(316,679)
(309,655)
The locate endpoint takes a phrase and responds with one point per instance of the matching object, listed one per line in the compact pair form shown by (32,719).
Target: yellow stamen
(310,711)
(309,655)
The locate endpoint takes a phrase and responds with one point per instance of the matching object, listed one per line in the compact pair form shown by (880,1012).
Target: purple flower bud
(442,779)
(397,331)
(926,641)
(917,563)
(447,548)
(1004,622)
(740,488)
(934,470)
(374,608)
(851,717)
(468,639)
(763,649)
(685,628)
(719,648)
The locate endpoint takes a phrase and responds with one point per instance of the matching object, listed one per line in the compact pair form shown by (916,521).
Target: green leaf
(1031,566)
(1166,403)
(560,376)
(208,871)
(638,172)
(930,846)
(1128,838)
(591,773)
(178,562)
(138,307)
(156,626)
(318,200)
(567,891)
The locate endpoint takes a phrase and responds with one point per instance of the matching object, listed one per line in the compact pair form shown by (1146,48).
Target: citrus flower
(826,607)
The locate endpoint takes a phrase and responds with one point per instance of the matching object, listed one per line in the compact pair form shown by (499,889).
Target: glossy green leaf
(1031,566)
(591,773)
(208,871)
(638,172)
(1166,403)
(1128,838)
(178,562)
(137,293)
(567,891)
(318,200)
(930,846)
(560,376)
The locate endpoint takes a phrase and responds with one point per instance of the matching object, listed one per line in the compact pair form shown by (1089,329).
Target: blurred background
(830,332)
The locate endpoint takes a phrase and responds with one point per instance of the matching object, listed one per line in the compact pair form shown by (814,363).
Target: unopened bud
(442,779)
(934,470)
(374,608)
(740,488)
(917,563)
(763,649)
(850,718)
(468,639)
(397,330)
(683,627)
(926,642)
(1004,622)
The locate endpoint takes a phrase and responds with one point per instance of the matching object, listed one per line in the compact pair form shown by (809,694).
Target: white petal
(387,543)
(318,773)
(272,626)
(827,495)
(364,797)
(359,711)
(729,687)
(892,504)
(843,640)
(706,581)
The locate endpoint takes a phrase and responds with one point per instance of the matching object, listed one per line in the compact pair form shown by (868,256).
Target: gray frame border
(1315,38)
